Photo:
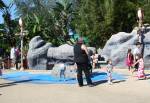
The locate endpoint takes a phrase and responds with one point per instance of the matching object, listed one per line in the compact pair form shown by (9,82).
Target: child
(62,70)
(94,60)
(109,71)
(129,59)
(140,73)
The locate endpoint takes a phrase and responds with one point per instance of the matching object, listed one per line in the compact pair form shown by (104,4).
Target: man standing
(81,60)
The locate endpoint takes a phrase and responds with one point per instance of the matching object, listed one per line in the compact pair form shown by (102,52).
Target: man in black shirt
(81,60)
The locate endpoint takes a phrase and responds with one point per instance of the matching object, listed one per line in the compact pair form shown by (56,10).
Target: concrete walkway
(130,91)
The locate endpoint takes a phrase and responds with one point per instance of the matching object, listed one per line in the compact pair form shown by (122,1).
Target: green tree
(62,14)
(99,19)
(7,20)
(145,4)
(124,15)
(93,20)
(47,18)
(7,28)
(2,5)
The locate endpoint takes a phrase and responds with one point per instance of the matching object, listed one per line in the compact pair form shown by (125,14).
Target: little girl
(140,73)
(129,59)
(109,71)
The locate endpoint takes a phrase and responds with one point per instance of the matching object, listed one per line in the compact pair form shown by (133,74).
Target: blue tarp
(28,77)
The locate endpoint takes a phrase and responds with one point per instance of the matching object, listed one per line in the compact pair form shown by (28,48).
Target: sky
(12,10)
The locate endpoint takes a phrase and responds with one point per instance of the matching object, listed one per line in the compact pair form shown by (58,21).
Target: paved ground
(130,91)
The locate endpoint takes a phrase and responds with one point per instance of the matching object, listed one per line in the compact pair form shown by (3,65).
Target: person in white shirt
(136,52)
(94,60)
(13,57)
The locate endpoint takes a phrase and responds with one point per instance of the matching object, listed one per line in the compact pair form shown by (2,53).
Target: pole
(21,51)
(22,35)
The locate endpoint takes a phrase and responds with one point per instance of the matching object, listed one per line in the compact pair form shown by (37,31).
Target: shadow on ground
(14,83)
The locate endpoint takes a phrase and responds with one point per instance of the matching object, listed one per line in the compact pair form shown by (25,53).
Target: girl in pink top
(129,59)
(140,73)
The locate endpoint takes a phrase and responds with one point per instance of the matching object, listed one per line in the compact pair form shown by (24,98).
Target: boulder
(69,71)
(117,46)
(42,55)
(61,54)
(99,51)
(37,53)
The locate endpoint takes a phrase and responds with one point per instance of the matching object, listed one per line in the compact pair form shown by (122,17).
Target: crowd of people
(15,57)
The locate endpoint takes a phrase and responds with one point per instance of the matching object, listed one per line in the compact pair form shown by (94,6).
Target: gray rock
(37,53)
(117,46)
(91,50)
(99,51)
(42,55)
(69,71)
(57,70)
(61,54)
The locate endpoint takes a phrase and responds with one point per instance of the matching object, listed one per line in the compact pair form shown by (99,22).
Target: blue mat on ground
(27,77)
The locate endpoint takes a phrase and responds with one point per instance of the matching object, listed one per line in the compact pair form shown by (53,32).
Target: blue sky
(7,2)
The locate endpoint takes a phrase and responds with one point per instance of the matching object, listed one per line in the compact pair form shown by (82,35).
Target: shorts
(136,66)
(13,60)
(109,74)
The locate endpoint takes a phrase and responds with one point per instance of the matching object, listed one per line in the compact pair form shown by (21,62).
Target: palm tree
(7,20)
(49,18)
(63,12)
(2,4)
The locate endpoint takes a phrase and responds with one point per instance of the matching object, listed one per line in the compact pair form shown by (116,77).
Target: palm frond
(2,4)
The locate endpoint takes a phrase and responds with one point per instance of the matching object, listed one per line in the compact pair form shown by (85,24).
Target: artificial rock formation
(117,46)
(62,54)
(37,53)
(69,71)
(42,55)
